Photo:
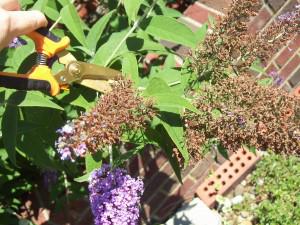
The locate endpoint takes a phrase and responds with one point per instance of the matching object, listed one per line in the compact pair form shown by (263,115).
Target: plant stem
(58,19)
(135,25)
(110,155)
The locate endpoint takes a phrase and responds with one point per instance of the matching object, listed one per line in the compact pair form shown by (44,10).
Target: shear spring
(41,59)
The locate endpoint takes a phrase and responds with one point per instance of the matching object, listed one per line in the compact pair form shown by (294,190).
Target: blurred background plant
(271,194)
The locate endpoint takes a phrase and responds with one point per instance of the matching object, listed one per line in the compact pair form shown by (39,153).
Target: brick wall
(163,193)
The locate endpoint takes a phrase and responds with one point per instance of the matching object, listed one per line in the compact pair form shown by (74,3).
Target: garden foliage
(277,194)
(157,104)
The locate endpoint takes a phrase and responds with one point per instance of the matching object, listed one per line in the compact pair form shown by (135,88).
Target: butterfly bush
(118,111)
(232,48)
(114,196)
(250,114)
(235,109)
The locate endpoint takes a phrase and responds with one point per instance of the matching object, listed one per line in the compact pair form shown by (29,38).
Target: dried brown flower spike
(119,110)
(263,117)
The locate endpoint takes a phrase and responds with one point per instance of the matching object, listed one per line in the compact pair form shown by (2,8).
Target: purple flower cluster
(276,77)
(64,145)
(114,196)
(288,16)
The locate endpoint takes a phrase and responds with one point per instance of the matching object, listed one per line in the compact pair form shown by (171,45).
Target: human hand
(15,23)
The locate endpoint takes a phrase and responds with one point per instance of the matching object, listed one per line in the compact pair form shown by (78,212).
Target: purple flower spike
(63,146)
(114,196)
(17,42)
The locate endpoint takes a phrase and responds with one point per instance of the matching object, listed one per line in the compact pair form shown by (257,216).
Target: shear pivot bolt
(75,69)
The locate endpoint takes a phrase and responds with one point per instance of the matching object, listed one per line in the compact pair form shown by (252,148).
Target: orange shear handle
(39,77)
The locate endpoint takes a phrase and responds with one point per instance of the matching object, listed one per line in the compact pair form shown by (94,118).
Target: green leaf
(29,99)
(25,3)
(172,122)
(83,178)
(215,113)
(74,97)
(105,51)
(157,85)
(167,11)
(159,134)
(130,67)
(21,53)
(97,30)
(33,145)
(132,44)
(127,156)
(170,76)
(266,82)
(64,2)
(37,135)
(72,21)
(40,5)
(132,8)
(51,13)
(85,50)
(201,33)
(93,161)
(257,66)
(223,151)
(9,131)
(169,29)
(171,100)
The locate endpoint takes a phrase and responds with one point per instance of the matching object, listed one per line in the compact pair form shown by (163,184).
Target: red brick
(186,190)
(288,52)
(260,20)
(271,68)
(290,6)
(203,168)
(153,205)
(187,170)
(155,164)
(198,13)
(218,5)
(152,185)
(171,185)
(227,175)
(295,79)
(168,206)
(288,69)
(276,4)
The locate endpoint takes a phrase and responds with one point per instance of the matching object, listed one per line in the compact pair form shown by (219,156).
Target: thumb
(24,22)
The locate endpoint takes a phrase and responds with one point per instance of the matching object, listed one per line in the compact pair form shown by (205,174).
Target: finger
(24,22)
(10,5)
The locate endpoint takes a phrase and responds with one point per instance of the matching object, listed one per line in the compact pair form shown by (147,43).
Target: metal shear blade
(89,75)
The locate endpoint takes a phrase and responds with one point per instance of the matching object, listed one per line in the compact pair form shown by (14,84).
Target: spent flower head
(231,48)
(118,111)
(263,117)
(114,196)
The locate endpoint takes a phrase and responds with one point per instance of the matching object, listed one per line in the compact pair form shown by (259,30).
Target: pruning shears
(40,77)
